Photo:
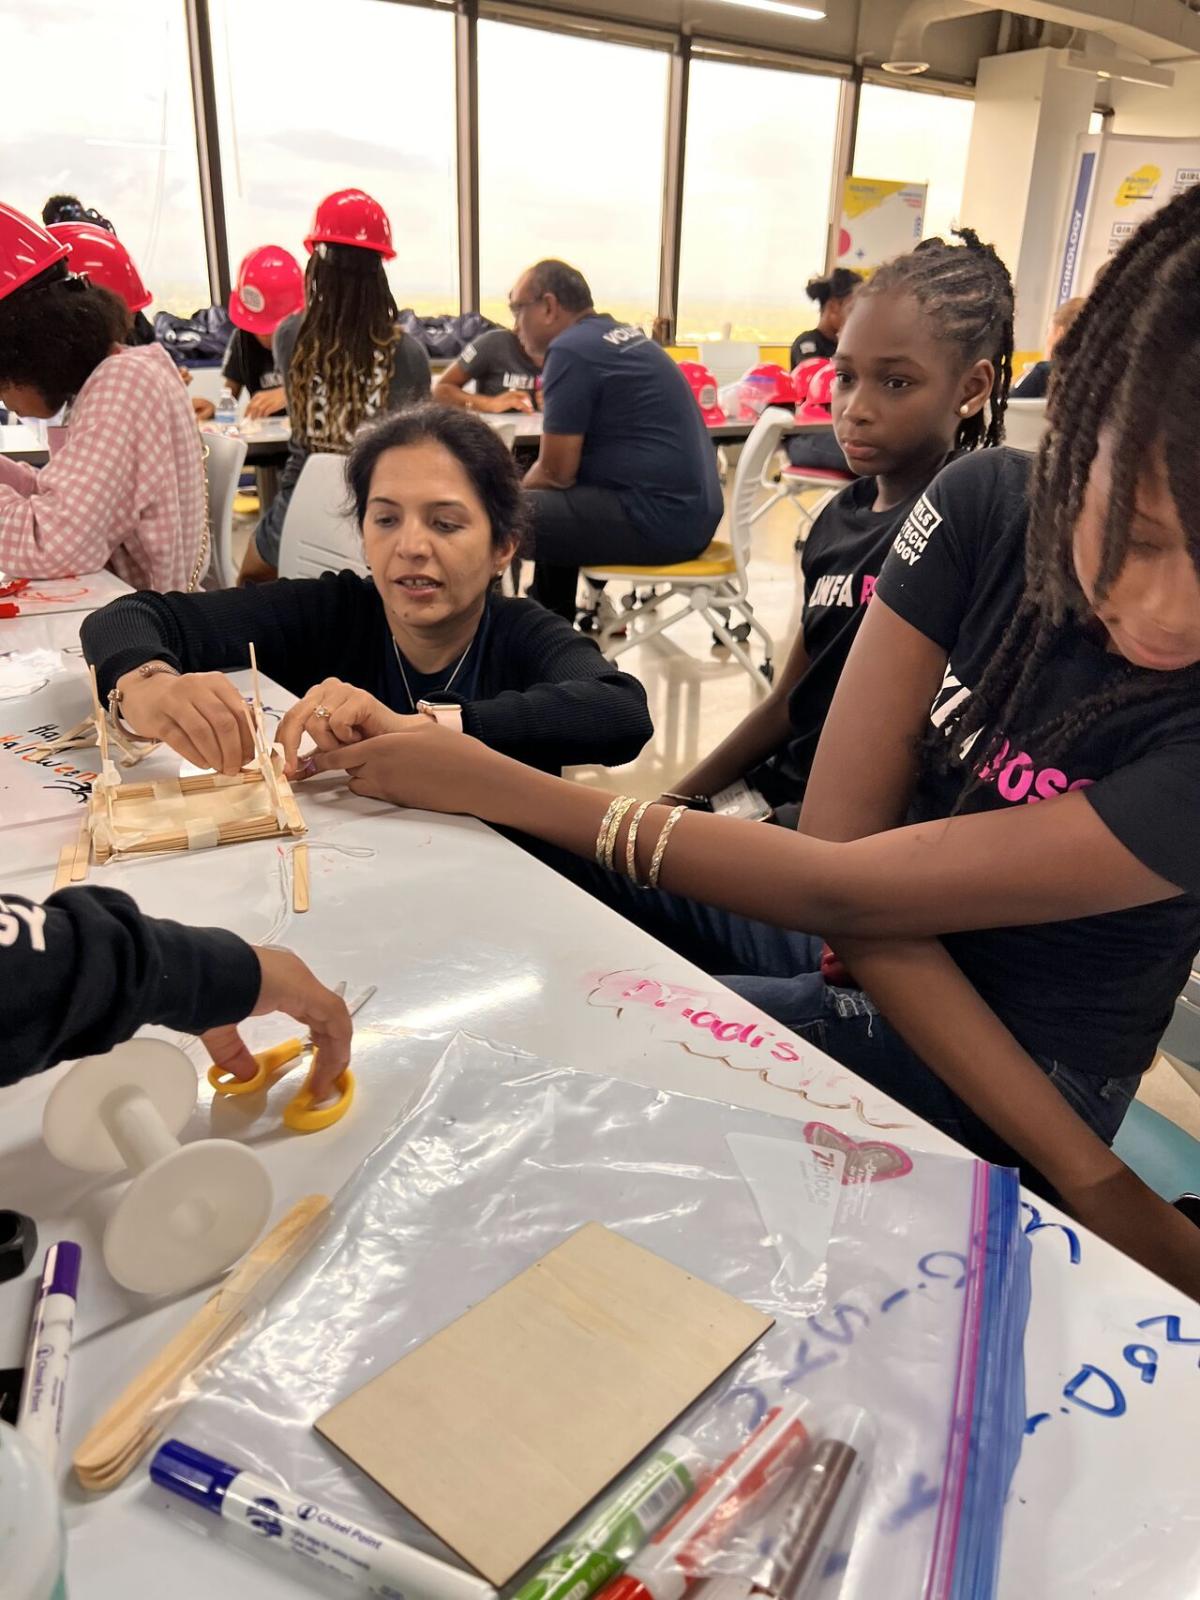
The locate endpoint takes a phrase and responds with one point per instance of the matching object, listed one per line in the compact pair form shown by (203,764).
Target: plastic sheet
(913,1313)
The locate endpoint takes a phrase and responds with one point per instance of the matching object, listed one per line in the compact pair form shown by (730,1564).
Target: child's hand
(266,403)
(289,986)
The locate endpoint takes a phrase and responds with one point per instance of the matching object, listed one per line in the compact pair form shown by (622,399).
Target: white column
(1028,112)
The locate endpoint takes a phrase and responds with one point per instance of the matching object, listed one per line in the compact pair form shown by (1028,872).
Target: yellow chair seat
(716,562)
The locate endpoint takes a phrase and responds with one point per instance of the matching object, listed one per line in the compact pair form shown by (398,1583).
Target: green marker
(619,1529)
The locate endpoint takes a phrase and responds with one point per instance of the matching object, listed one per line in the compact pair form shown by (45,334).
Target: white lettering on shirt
(915,531)
(34,918)
(833,589)
(620,336)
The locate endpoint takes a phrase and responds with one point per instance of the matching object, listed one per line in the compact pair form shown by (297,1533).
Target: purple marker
(40,1418)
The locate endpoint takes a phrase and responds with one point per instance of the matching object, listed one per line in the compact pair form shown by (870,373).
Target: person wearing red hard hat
(126,488)
(345,358)
(100,256)
(269,289)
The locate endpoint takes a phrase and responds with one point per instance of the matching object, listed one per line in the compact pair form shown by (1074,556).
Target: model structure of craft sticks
(192,813)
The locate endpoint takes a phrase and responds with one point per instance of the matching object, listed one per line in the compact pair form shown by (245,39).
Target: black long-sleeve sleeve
(83,971)
(564,704)
(544,693)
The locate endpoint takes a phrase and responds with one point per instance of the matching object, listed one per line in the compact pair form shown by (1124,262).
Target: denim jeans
(779,972)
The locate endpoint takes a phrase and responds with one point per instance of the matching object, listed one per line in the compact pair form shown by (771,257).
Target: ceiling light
(781,8)
(1119,69)
(906,69)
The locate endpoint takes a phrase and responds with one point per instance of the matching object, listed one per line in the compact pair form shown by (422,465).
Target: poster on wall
(1119,181)
(880,219)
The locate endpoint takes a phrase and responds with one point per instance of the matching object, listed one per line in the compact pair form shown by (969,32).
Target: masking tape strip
(168,789)
(109,777)
(202,834)
(223,780)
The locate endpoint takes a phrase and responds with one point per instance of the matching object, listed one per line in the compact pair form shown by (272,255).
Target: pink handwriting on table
(719,1027)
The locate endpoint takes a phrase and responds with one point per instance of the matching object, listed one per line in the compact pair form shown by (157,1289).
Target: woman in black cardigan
(427,635)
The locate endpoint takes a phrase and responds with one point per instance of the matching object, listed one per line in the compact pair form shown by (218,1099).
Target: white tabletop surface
(458,928)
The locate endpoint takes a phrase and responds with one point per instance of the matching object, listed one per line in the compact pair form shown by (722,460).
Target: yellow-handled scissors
(302,1114)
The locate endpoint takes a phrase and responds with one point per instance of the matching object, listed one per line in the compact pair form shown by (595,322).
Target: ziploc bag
(913,1312)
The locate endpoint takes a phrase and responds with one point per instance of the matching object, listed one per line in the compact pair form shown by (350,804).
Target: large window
(313,98)
(97,103)
(755,200)
(572,136)
(912,137)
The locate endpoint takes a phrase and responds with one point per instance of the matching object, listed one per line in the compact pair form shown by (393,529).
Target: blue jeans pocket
(1101,1102)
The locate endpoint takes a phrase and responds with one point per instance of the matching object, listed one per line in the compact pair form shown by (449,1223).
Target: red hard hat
(25,249)
(270,286)
(104,259)
(803,374)
(818,402)
(351,217)
(704,386)
(763,386)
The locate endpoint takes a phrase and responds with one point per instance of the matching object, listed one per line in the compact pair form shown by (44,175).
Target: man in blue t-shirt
(626,472)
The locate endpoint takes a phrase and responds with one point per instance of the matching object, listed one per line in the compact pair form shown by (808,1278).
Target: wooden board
(506,1424)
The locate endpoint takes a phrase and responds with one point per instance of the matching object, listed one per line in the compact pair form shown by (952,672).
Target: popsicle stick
(82,849)
(299,877)
(128,1428)
(66,864)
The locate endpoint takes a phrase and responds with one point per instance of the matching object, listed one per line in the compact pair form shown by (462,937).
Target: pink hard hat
(818,402)
(26,249)
(102,258)
(270,287)
(765,385)
(803,374)
(351,216)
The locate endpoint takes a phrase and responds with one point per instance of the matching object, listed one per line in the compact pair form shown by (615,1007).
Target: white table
(460,929)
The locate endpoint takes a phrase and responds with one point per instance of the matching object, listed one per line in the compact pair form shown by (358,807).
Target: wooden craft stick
(130,1426)
(299,877)
(102,739)
(258,710)
(82,849)
(66,864)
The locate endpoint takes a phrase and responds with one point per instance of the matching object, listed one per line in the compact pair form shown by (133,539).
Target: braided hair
(969,295)
(345,355)
(1136,341)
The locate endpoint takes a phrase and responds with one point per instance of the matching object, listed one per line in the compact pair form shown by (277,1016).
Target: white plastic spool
(192,1210)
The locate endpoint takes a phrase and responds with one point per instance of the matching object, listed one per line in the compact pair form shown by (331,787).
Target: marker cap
(190,1473)
(64,1273)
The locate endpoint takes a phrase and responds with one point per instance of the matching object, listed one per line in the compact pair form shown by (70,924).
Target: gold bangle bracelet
(631,843)
(660,847)
(603,833)
(610,842)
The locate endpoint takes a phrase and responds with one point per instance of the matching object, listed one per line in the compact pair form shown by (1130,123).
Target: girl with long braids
(999,837)
(922,372)
(345,357)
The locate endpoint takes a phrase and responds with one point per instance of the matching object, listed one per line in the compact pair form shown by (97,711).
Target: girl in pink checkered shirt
(126,488)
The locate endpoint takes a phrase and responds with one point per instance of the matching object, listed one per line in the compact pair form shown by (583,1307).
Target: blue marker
(372,1562)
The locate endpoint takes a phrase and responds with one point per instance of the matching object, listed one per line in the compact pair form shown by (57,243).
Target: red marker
(679,1553)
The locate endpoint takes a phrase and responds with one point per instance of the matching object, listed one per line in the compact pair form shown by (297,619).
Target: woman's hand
(204,409)
(288,986)
(266,403)
(199,714)
(425,766)
(1129,1215)
(335,714)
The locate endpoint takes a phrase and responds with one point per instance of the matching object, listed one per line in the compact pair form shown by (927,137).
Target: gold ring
(323,712)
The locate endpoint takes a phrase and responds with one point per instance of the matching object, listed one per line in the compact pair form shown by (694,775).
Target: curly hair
(345,353)
(55,331)
(479,450)
(1129,366)
(968,292)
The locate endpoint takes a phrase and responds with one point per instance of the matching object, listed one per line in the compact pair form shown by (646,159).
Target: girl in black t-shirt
(1024,694)
(913,386)
(833,294)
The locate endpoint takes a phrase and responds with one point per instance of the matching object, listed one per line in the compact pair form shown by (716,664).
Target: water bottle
(226,410)
(32,1547)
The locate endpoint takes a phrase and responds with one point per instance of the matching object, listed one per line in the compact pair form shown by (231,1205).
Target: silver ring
(323,712)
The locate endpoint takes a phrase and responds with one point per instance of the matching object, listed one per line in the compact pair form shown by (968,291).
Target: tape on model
(168,789)
(18,1242)
(202,834)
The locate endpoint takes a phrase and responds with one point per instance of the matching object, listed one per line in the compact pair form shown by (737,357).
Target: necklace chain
(445,687)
